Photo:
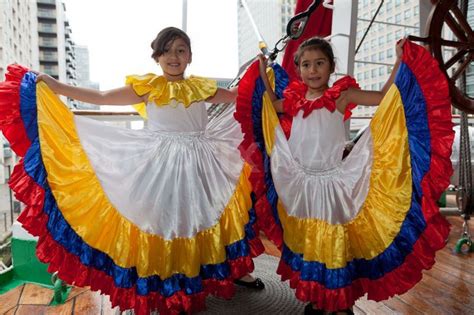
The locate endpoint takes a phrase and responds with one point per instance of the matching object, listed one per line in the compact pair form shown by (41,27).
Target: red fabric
(71,270)
(436,91)
(398,281)
(294,97)
(69,267)
(319,24)
(11,123)
(252,155)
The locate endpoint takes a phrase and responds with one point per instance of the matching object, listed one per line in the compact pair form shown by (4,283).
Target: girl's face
(175,59)
(315,69)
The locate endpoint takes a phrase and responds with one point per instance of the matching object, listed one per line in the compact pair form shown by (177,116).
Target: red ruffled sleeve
(340,85)
(294,97)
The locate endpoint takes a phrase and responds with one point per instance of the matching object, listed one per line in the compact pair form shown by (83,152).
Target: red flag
(319,24)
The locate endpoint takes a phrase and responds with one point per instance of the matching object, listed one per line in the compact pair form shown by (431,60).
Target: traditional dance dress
(156,218)
(365,224)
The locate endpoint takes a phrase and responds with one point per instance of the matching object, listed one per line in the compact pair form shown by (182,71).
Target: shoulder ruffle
(162,91)
(294,97)
(340,85)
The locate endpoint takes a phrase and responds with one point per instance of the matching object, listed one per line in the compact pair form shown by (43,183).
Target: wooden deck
(448,288)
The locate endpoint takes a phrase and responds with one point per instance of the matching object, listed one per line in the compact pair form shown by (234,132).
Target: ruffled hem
(398,281)
(294,98)
(75,261)
(253,153)
(11,122)
(72,270)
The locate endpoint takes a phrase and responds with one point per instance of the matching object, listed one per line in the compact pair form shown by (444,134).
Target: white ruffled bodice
(177,118)
(317,140)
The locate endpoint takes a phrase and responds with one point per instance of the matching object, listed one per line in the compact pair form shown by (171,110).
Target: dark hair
(166,36)
(315,43)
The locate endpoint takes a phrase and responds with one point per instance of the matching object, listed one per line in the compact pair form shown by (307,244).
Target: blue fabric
(281,82)
(28,112)
(64,235)
(414,224)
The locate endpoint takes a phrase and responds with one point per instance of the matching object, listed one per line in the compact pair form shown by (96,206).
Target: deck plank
(10,299)
(64,309)
(88,303)
(370,307)
(35,294)
(75,291)
(31,309)
(400,307)
(11,311)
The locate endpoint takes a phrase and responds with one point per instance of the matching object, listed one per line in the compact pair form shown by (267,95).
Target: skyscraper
(376,56)
(56,48)
(271,18)
(82,74)
(18,36)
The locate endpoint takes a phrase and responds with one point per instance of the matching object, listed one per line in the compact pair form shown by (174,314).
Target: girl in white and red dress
(156,218)
(368,223)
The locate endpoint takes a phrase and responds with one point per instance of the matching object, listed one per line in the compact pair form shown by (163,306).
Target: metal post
(262,45)
(185,15)
(11,197)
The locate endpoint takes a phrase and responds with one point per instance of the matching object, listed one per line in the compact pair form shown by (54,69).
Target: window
(366,75)
(381,71)
(398,18)
(407,14)
(389,37)
(381,40)
(381,56)
(373,73)
(389,53)
(373,58)
(398,34)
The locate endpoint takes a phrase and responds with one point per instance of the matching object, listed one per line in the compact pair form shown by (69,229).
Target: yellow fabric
(387,204)
(162,91)
(269,116)
(87,209)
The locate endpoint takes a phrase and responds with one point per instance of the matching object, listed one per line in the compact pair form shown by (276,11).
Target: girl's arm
(121,96)
(373,98)
(223,96)
(277,103)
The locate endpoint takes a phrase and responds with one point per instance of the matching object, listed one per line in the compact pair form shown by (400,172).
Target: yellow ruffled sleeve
(186,92)
(144,84)
(161,91)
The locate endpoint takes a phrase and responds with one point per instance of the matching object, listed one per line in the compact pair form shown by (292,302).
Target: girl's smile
(175,59)
(315,70)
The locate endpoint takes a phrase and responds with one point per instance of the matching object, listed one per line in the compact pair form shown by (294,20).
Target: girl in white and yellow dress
(156,218)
